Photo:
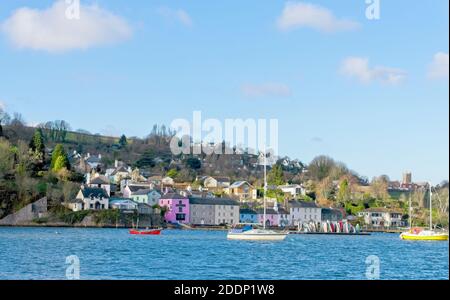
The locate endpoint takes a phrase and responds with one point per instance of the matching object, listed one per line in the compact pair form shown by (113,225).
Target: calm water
(40,253)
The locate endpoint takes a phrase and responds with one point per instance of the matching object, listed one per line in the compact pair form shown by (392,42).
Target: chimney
(99,156)
(116,164)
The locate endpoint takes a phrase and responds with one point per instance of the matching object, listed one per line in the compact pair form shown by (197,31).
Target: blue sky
(371,93)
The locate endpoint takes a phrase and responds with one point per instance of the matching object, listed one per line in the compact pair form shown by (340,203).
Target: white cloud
(439,67)
(300,14)
(51,30)
(178,15)
(269,89)
(2,105)
(358,67)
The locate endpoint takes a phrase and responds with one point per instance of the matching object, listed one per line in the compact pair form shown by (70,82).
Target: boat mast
(431,212)
(410,212)
(265,186)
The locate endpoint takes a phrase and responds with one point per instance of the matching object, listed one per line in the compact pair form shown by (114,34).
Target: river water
(41,253)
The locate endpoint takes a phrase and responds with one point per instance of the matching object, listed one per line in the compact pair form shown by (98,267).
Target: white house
(293,189)
(93,161)
(167,181)
(89,198)
(216,182)
(120,173)
(302,211)
(382,217)
(100,181)
(131,188)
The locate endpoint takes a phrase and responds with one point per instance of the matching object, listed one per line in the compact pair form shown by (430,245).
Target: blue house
(247,215)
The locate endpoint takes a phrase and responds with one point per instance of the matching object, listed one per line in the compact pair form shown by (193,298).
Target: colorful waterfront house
(147,196)
(304,212)
(177,208)
(272,217)
(213,211)
(247,215)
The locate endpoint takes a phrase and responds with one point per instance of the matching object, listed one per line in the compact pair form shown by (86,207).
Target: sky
(370,92)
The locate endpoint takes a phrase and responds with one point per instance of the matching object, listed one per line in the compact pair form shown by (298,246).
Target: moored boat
(146,231)
(418,234)
(249,233)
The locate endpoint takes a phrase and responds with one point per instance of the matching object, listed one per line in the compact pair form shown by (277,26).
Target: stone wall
(27,214)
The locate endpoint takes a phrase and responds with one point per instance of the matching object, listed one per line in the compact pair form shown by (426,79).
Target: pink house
(272,217)
(177,208)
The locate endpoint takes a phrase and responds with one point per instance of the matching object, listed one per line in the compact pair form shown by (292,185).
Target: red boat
(146,231)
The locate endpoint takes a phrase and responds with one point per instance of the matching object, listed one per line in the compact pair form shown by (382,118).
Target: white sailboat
(249,232)
(417,234)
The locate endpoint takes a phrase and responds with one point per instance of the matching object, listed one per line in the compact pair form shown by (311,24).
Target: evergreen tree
(275,176)
(63,161)
(37,143)
(123,141)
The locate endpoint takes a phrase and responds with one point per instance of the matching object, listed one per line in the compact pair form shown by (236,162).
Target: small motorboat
(156,231)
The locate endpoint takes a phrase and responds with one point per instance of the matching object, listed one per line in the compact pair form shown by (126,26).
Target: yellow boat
(416,234)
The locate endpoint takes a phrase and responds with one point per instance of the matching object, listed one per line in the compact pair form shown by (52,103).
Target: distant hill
(152,154)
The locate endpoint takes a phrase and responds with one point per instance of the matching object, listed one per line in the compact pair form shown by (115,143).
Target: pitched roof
(94,192)
(120,169)
(173,196)
(93,159)
(303,204)
(222,179)
(247,211)
(136,188)
(99,180)
(289,186)
(239,183)
(212,201)
(142,192)
(121,201)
